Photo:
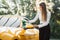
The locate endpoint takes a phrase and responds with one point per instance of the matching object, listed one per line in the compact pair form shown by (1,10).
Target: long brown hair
(44,11)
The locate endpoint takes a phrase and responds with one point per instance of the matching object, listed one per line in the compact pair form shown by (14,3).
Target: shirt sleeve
(46,22)
(33,20)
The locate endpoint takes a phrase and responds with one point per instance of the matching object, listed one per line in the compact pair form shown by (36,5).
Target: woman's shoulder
(48,12)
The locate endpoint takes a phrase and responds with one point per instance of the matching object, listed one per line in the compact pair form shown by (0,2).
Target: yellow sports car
(11,33)
(10,29)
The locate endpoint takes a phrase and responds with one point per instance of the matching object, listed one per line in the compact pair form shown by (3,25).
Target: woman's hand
(36,26)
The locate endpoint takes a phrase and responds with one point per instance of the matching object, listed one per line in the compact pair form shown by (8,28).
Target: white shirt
(42,24)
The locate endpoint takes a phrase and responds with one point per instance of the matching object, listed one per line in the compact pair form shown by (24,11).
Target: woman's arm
(46,22)
(33,20)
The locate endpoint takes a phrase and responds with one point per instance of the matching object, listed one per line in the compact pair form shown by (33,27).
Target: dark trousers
(44,33)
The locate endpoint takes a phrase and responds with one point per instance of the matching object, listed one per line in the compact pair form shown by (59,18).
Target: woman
(44,16)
